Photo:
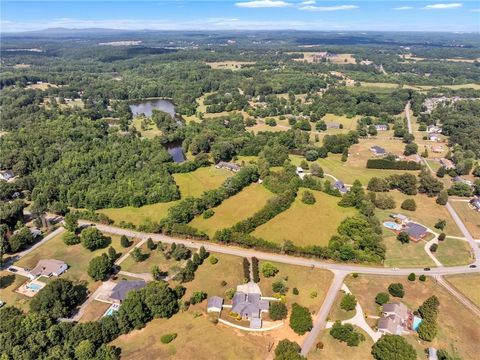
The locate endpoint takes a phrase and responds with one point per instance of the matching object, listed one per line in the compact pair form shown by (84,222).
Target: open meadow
(468,285)
(405,255)
(196,182)
(470,217)
(454,252)
(138,215)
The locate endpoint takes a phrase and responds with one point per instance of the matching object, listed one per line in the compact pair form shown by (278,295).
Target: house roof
(415,230)
(6,174)
(432,353)
(390,324)
(377,149)
(215,302)
(398,309)
(475,202)
(333,125)
(120,291)
(228,165)
(47,267)
(248,304)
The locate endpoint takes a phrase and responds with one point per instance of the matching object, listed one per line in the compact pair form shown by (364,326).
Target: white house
(47,268)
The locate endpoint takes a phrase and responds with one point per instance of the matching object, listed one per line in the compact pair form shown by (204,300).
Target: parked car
(426,269)
(12,270)
(473,266)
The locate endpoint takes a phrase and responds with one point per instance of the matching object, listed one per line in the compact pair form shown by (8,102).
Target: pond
(175,149)
(147,106)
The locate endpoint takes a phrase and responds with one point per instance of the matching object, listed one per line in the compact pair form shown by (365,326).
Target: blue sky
(344,15)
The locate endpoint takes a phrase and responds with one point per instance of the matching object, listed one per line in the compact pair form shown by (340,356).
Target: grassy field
(155,257)
(200,180)
(234,209)
(334,349)
(470,217)
(421,87)
(458,332)
(76,257)
(453,252)
(306,280)
(43,86)
(150,131)
(140,215)
(405,255)
(339,59)
(8,284)
(306,224)
(428,212)
(469,285)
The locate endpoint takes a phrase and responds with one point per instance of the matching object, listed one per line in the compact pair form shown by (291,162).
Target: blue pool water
(392,225)
(112,309)
(416,322)
(34,287)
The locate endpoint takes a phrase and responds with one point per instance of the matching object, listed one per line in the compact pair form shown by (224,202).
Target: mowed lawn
(470,217)
(76,257)
(306,224)
(336,350)
(454,252)
(234,209)
(196,182)
(139,215)
(8,284)
(428,212)
(468,285)
(405,255)
(458,329)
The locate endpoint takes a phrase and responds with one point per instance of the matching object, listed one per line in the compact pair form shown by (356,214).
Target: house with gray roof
(48,268)
(475,204)
(250,307)
(378,151)
(214,304)
(395,320)
(228,166)
(381,127)
(416,231)
(432,353)
(333,125)
(120,291)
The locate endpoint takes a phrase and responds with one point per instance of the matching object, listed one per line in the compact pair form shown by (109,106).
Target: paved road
(407,115)
(321,319)
(286,259)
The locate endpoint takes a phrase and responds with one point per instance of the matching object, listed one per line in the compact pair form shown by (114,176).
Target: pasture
(196,182)
(468,285)
(138,215)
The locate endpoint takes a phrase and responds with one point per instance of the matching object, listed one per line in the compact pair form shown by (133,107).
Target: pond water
(175,149)
(146,107)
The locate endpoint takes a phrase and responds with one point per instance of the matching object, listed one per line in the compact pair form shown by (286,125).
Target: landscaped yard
(94,311)
(468,284)
(334,349)
(140,215)
(234,209)
(453,252)
(470,217)
(8,284)
(458,331)
(405,255)
(196,182)
(306,224)
(337,313)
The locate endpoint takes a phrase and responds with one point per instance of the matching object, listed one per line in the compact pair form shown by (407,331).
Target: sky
(345,15)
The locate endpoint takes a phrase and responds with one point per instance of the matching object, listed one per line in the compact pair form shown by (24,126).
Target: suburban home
(228,165)
(416,231)
(47,268)
(323,55)
(381,127)
(215,304)
(434,129)
(6,175)
(447,164)
(475,204)
(437,148)
(340,186)
(366,62)
(378,151)
(459,179)
(122,288)
(395,320)
(433,137)
(333,125)
(250,307)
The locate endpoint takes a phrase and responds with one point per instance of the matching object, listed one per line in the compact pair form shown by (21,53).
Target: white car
(395,269)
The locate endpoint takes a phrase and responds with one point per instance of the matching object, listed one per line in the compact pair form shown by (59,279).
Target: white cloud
(329,8)
(308,2)
(402,8)
(443,6)
(262,4)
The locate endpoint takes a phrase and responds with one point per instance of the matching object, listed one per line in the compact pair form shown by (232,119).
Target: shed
(214,304)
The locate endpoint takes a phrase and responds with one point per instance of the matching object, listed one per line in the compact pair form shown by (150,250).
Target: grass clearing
(196,182)
(468,285)
(337,313)
(306,224)
(470,217)
(229,65)
(334,349)
(150,131)
(405,255)
(155,257)
(458,332)
(234,209)
(140,215)
(454,252)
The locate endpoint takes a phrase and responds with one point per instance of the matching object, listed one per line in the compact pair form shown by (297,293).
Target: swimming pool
(416,322)
(34,287)
(392,225)
(111,310)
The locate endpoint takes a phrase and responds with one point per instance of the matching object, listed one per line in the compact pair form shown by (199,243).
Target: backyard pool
(112,309)
(416,322)
(392,225)
(34,287)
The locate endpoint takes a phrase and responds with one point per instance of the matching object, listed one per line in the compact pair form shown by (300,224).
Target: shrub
(93,239)
(198,297)
(288,350)
(255,270)
(278,310)
(393,347)
(125,242)
(348,302)
(223,283)
(70,238)
(427,330)
(208,213)
(295,291)
(442,236)
(99,267)
(168,338)
(409,204)
(433,248)
(279,287)
(382,298)
(442,198)
(313,294)
(213,260)
(300,319)
(346,333)
(308,198)
(246,269)
(403,237)
(150,244)
(269,270)
(422,277)
(396,289)
(137,255)
(440,224)
(411,277)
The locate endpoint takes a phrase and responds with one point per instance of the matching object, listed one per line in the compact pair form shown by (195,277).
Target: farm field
(470,217)
(405,255)
(457,334)
(234,209)
(306,224)
(468,285)
(138,215)
(428,212)
(453,252)
(200,180)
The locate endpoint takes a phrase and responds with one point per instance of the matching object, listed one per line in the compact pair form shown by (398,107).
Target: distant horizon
(244,15)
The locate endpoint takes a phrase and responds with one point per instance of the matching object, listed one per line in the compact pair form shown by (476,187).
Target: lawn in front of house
(470,217)
(9,282)
(454,252)
(468,285)
(306,224)
(334,349)
(196,182)
(428,212)
(405,255)
(337,313)
(234,209)
(458,332)
(76,257)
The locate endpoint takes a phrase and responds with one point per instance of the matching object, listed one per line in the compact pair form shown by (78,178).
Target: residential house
(366,62)
(437,148)
(6,175)
(378,151)
(381,127)
(395,320)
(228,165)
(215,304)
(434,129)
(340,186)
(416,231)
(333,125)
(459,179)
(433,137)
(300,172)
(249,307)
(323,55)
(48,268)
(447,164)
(475,204)
(122,288)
